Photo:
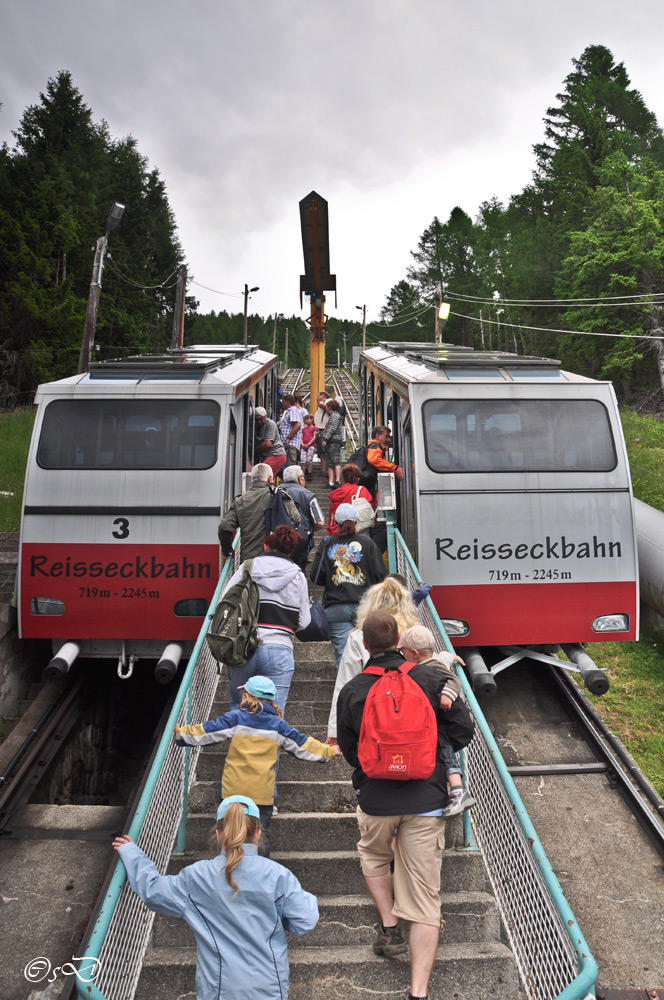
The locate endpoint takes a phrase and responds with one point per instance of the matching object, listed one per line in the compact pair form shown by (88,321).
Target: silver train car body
(129,470)
(517,501)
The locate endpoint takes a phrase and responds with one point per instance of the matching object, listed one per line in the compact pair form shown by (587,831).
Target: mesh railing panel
(126,940)
(546,958)
(122,932)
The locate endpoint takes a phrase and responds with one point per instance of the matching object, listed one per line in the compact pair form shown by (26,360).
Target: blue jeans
(450,760)
(275,662)
(342,622)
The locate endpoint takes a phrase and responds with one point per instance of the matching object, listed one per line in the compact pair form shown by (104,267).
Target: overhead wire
(652,298)
(146,288)
(231,295)
(547,329)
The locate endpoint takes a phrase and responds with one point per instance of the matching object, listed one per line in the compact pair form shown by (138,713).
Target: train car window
(129,434)
(540,374)
(474,375)
(526,435)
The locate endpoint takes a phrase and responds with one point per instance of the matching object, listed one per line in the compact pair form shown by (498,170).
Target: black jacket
(356,565)
(378,796)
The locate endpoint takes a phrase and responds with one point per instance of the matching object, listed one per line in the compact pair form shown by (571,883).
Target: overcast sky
(392,110)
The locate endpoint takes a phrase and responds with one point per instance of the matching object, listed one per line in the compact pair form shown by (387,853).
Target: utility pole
(286,351)
(439,300)
(364,325)
(345,339)
(246,300)
(87,342)
(177,337)
(274,331)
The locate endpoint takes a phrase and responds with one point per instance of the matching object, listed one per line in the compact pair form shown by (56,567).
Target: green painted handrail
(584,983)
(88,990)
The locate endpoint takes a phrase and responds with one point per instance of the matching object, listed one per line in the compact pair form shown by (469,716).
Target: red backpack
(399,733)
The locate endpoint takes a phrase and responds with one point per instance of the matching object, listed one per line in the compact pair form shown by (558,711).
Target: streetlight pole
(246,299)
(88,340)
(364,325)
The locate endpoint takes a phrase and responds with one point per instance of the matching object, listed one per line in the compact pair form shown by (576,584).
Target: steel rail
(39,751)
(642,799)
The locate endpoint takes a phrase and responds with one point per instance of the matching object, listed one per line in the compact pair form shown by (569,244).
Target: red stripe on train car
(522,614)
(113,591)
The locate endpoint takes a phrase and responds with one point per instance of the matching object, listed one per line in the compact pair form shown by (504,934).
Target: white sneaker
(458,802)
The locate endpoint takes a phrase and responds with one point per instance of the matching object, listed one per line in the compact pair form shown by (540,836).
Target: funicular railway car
(516,502)
(130,467)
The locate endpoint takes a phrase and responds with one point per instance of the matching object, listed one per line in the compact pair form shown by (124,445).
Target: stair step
(300,831)
(325,872)
(294,796)
(483,969)
(303,715)
(351,920)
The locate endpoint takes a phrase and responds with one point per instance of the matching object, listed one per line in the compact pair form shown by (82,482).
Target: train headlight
(611,623)
(455,626)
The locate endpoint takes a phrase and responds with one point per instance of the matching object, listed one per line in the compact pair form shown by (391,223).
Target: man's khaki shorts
(417,854)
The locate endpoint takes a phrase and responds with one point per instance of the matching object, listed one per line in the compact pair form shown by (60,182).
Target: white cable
(545,329)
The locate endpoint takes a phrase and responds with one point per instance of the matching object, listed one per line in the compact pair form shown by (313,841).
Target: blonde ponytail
(236,829)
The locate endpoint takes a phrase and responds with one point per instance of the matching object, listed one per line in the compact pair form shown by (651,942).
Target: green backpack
(233,635)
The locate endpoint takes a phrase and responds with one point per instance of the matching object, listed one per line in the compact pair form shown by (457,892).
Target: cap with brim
(250,807)
(345,512)
(260,411)
(417,637)
(259,687)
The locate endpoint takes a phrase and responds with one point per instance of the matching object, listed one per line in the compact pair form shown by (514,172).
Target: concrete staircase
(315,835)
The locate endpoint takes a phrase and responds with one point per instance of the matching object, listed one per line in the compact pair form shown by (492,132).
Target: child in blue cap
(239,906)
(257,732)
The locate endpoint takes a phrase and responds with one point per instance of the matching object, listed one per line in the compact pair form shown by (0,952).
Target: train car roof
(203,364)
(427,362)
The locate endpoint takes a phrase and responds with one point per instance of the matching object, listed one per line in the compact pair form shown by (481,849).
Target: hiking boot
(458,802)
(390,941)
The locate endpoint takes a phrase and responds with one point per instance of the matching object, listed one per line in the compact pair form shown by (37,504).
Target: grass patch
(633,707)
(644,437)
(15,431)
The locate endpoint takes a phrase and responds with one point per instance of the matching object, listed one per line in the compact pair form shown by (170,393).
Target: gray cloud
(393,110)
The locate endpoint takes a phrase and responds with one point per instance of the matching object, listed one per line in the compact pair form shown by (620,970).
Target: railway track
(296,380)
(599,822)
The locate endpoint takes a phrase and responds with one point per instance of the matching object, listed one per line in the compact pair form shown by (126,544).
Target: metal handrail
(93,965)
(565,941)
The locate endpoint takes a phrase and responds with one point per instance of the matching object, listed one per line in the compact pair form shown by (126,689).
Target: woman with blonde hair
(390,596)
(239,906)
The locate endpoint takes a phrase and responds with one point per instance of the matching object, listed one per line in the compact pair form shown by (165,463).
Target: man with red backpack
(390,720)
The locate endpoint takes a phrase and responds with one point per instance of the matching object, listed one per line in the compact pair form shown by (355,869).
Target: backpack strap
(326,539)
(404,668)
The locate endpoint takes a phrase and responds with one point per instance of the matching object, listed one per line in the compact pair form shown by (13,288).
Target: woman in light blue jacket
(238,905)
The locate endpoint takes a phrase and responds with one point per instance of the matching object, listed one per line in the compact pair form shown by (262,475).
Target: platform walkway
(315,835)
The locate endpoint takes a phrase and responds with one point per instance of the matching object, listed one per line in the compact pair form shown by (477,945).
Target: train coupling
(167,667)
(594,678)
(483,681)
(62,661)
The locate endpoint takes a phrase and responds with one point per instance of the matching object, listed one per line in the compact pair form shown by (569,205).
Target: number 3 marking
(123,527)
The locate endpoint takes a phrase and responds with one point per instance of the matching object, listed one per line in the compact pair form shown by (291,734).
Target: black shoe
(390,941)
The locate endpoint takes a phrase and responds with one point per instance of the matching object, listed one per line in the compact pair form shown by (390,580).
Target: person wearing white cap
(238,904)
(350,564)
(268,446)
